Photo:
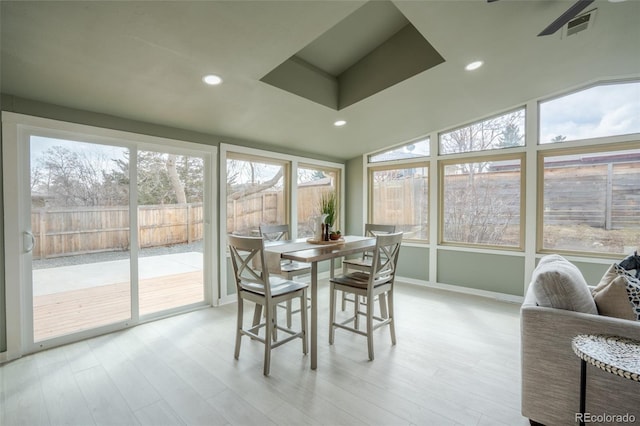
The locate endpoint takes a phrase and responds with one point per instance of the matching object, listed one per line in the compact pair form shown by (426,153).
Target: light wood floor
(456,363)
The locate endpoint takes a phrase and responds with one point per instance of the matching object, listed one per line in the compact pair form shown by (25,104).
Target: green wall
(490,272)
(354,197)
(414,263)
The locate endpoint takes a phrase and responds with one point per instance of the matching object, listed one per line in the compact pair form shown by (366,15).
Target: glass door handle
(29,243)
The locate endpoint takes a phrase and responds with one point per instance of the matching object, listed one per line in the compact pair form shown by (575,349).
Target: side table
(616,355)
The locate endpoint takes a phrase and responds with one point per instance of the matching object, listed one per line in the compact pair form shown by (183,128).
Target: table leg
(314,315)
(583,389)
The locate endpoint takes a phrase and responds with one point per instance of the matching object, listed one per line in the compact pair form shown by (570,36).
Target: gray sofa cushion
(557,283)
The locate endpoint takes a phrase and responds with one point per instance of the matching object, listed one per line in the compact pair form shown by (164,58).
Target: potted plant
(335,235)
(328,208)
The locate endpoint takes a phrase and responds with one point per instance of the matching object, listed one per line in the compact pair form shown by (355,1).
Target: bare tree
(176,184)
(72,178)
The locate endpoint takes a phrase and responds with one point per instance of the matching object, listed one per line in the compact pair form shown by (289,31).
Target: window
(256,193)
(312,183)
(590,201)
(416,149)
(504,131)
(605,110)
(400,196)
(481,201)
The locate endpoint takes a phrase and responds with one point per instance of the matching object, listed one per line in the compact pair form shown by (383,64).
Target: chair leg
(345,269)
(356,309)
(289,308)
(303,319)
(392,319)
(267,339)
(257,313)
(370,328)
(383,306)
(236,354)
(332,311)
(274,316)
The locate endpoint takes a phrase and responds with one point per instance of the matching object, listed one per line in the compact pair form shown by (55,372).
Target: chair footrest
(288,339)
(353,330)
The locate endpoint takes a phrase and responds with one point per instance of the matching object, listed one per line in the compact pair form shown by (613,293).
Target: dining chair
(363,263)
(253,283)
(379,281)
(288,268)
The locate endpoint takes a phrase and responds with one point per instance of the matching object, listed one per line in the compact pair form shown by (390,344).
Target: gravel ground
(107,256)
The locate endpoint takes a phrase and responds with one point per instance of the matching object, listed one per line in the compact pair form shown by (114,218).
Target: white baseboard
(465,290)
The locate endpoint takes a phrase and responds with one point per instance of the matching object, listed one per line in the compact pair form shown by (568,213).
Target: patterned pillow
(618,294)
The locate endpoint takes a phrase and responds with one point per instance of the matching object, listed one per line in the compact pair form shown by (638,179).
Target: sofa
(551,370)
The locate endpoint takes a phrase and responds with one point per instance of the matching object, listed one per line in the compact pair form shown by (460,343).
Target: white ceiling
(144,60)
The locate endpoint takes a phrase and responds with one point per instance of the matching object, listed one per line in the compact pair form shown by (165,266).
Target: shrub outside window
(600,111)
(503,131)
(481,201)
(590,201)
(256,193)
(400,196)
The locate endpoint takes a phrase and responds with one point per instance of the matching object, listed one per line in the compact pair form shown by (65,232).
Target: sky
(607,110)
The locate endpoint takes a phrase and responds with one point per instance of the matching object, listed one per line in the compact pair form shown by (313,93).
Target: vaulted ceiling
(144,60)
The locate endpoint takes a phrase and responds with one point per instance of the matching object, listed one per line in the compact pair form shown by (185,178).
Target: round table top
(616,355)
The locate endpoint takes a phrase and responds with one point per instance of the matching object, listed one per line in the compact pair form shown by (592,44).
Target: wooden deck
(72,311)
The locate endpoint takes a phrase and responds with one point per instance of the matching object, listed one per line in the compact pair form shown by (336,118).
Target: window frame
(556,151)
(426,138)
(471,158)
(522,108)
(395,165)
(286,176)
(544,145)
(338,184)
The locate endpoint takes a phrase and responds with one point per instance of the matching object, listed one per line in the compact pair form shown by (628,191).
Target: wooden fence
(608,195)
(244,215)
(603,196)
(82,230)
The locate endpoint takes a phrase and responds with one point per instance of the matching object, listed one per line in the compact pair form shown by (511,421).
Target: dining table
(313,251)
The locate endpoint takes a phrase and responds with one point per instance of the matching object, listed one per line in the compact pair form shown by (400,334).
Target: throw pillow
(557,283)
(618,294)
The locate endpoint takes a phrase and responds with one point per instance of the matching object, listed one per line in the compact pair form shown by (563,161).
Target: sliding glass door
(81,229)
(171,225)
(81,233)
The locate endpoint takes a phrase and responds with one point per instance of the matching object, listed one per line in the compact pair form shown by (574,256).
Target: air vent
(580,23)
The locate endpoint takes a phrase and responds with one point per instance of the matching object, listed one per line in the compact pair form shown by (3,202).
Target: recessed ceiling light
(473,66)
(339,123)
(212,80)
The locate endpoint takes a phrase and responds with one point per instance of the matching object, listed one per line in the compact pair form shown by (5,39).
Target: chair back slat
(385,258)
(373,230)
(247,253)
(275,232)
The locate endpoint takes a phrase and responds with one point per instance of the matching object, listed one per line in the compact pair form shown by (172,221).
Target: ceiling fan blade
(565,17)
